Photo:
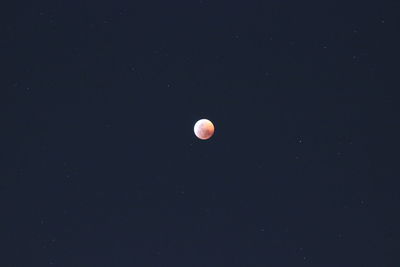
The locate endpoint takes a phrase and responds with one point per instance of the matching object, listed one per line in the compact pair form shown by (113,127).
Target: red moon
(204,129)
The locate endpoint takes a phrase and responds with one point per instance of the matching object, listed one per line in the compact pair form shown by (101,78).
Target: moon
(204,129)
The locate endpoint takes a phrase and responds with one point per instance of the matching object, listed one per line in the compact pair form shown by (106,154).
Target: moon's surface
(204,129)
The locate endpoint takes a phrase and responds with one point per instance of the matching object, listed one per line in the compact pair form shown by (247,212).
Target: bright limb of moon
(204,129)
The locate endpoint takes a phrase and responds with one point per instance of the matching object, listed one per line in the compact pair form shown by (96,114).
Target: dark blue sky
(100,166)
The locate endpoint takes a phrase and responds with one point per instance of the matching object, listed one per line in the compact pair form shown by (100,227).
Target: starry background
(100,166)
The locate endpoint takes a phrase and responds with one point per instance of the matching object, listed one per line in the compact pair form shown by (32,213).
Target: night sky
(100,165)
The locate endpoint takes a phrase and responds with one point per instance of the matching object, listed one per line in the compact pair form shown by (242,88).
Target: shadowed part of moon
(204,129)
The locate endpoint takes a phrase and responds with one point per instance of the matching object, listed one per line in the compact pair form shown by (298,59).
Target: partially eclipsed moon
(204,129)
